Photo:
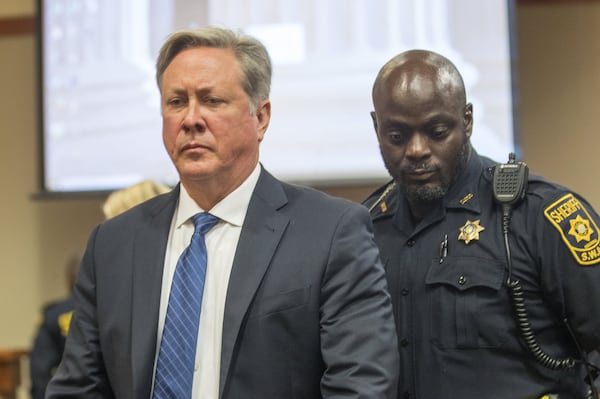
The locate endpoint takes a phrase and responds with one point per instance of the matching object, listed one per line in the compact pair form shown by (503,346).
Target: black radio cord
(518,298)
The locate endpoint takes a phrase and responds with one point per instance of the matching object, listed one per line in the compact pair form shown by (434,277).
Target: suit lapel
(262,230)
(148,263)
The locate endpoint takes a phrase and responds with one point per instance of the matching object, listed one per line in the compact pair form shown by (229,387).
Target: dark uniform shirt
(49,345)
(457,333)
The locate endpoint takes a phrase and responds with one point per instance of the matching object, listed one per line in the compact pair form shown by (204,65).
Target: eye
(175,102)
(397,136)
(214,101)
(439,132)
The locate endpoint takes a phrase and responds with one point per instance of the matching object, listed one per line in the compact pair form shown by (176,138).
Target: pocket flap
(464,273)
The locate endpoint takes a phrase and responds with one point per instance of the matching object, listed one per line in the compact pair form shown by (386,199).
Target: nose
(417,147)
(193,121)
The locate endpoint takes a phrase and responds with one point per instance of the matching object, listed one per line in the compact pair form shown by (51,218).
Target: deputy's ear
(374,118)
(468,120)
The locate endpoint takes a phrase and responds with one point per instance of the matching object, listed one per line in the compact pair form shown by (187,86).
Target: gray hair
(252,55)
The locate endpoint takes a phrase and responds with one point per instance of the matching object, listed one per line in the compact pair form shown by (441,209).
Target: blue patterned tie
(175,365)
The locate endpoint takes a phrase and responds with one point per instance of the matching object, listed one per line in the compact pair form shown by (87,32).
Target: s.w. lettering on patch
(578,229)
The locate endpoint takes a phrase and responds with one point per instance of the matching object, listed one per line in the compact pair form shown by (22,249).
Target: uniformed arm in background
(46,350)
(82,373)
(568,243)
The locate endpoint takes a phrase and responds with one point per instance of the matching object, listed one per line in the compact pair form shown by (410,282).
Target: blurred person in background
(49,342)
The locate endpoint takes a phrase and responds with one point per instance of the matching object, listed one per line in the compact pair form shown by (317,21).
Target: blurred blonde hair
(121,200)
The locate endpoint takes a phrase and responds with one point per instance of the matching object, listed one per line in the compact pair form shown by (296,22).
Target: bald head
(417,72)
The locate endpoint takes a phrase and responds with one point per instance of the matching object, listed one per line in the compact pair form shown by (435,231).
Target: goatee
(435,192)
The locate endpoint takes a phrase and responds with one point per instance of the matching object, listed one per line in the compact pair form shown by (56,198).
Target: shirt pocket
(469,304)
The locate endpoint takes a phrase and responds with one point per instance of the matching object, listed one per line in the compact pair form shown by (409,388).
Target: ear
(374,118)
(263,117)
(468,120)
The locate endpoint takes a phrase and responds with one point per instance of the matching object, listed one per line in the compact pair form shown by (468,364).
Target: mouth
(419,173)
(194,147)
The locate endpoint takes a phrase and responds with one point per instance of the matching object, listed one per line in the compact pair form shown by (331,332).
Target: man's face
(423,134)
(209,130)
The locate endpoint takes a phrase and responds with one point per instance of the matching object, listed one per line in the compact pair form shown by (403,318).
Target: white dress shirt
(221,243)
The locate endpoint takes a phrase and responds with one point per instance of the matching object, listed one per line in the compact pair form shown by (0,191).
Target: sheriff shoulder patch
(577,228)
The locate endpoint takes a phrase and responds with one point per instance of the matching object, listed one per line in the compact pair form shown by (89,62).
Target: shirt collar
(231,209)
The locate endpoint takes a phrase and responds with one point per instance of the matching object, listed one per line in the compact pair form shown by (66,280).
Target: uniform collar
(464,194)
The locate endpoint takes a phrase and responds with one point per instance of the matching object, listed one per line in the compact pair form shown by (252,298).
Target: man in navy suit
(295,299)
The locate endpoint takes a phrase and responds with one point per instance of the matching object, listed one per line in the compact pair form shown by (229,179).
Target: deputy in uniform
(49,342)
(440,233)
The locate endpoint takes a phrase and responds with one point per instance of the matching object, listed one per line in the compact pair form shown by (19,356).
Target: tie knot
(203,222)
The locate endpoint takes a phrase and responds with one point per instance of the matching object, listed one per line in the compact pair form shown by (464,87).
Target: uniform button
(462,280)
(404,291)
(406,395)
(404,342)
(410,243)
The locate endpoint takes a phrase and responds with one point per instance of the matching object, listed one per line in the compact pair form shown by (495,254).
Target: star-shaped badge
(470,231)
(580,229)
